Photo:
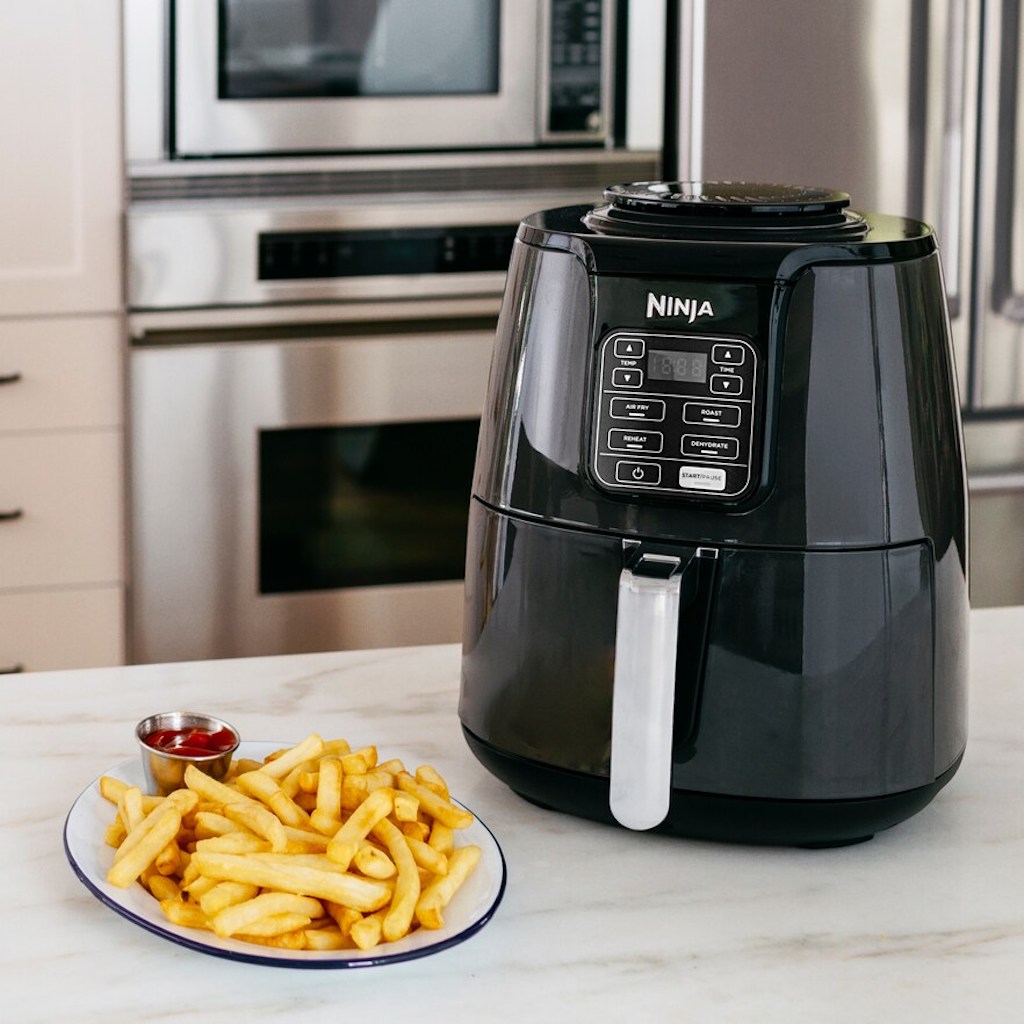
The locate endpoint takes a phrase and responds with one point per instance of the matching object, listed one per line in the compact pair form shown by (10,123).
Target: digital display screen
(688,367)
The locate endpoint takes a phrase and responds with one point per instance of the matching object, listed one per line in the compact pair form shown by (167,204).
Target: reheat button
(635,441)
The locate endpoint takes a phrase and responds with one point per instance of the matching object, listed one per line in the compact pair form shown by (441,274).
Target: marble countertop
(923,923)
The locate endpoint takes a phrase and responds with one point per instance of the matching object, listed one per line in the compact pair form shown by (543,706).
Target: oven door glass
(364,505)
(275,49)
(263,77)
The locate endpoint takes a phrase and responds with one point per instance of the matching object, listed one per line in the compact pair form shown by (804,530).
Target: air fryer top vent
(741,210)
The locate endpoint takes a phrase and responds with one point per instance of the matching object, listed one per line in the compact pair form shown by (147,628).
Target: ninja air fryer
(716,573)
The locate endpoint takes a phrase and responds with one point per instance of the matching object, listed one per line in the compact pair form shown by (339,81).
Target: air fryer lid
(737,210)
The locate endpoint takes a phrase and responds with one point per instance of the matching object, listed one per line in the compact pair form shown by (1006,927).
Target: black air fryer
(716,570)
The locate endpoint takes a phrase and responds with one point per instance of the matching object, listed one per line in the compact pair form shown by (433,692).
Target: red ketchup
(191,741)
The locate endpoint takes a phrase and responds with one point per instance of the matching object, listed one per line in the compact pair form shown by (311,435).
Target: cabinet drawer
(56,629)
(60,495)
(60,374)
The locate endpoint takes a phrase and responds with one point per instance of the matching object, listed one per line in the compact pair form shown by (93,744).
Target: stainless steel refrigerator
(914,107)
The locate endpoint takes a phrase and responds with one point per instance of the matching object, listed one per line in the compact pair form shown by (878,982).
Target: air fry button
(651,409)
(645,474)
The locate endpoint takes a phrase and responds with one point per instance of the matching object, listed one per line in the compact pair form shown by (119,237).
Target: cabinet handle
(11,513)
(11,670)
(10,378)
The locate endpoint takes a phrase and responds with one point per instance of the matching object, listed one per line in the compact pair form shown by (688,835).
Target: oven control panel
(676,415)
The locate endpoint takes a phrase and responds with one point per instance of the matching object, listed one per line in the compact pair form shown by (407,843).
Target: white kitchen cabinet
(60,513)
(61,175)
(62,520)
(77,627)
(61,374)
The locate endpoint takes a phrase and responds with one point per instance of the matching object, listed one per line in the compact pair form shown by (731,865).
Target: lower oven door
(301,494)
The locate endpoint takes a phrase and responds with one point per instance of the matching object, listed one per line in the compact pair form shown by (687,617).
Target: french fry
(407,807)
(442,838)
(162,887)
(278,926)
(114,833)
(177,803)
(226,894)
(344,917)
(436,896)
(336,748)
(416,830)
(427,857)
(129,807)
(435,805)
(212,823)
(242,916)
(362,894)
(328,788)
(290,940)
(309,749)
(127,868)
(268,791)
(188,915)
(367,931)
(234,842)
(168,860)
(431,778)
(345,842)
(397,919)
(111,788)
(359,762)
(302,840)
(259,819)
(327,939)
(372,862)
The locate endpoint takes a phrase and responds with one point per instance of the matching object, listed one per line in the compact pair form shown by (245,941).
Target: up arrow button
(629,348)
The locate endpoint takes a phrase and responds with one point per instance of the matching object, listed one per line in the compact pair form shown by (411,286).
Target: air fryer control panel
(676,414)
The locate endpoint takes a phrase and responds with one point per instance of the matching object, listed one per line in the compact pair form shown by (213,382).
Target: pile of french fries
(317,847)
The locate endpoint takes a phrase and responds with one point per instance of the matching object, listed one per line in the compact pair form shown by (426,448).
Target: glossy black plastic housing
(830,662)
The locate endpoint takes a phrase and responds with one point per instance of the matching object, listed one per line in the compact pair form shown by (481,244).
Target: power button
(642,474)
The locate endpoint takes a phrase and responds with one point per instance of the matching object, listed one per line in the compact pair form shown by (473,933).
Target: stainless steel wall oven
(320,219)
(285,77)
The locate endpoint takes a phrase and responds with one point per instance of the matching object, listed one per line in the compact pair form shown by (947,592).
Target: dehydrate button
(711,447)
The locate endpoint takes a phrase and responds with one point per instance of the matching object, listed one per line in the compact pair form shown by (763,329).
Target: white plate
(472,907)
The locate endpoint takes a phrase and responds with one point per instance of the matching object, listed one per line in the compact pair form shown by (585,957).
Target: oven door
(302,493)
(302,76)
